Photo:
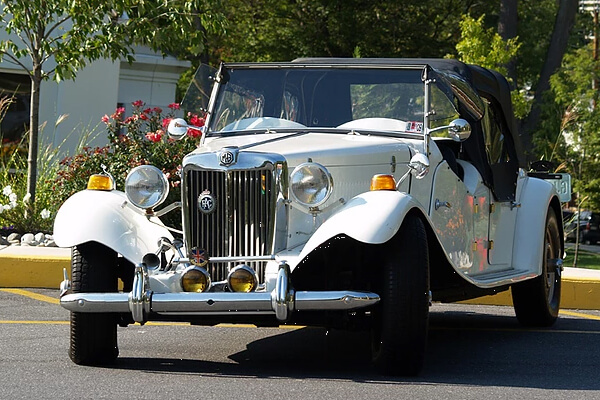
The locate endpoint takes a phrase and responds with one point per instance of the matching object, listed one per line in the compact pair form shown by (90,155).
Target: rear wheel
(93,335)
(537,301)
(401,319)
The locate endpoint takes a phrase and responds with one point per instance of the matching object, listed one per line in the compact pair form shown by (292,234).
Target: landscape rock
(14,237)
(28,239)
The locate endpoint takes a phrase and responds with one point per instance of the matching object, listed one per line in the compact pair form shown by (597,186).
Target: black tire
(93,335)
(401,319)
(537,301)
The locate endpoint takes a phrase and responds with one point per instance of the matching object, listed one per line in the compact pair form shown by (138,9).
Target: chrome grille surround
(248,196)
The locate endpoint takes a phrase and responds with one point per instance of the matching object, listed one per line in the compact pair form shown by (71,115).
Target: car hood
(330,150)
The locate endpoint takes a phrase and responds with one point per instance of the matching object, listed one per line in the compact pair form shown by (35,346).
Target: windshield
(293,97)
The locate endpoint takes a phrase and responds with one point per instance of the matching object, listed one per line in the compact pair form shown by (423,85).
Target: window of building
(16,89)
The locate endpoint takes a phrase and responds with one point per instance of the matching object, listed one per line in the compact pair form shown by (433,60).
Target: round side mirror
(460,130)
(177,128)
(419,165)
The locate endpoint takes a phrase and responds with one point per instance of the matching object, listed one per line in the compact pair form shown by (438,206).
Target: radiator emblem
(207,203)
(198,257)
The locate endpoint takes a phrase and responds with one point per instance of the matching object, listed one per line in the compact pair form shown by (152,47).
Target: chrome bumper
(281,302)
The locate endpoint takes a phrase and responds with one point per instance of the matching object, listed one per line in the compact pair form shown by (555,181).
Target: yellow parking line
(32,295)
(36,322)
(580,315)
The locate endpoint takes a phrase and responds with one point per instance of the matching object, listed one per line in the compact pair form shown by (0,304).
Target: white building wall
(96,91)
(84,101)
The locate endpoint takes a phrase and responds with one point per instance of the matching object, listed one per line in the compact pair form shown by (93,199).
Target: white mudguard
(108,218)
(371,217)
(535,199)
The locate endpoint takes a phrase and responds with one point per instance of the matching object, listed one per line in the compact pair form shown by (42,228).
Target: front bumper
(281,302)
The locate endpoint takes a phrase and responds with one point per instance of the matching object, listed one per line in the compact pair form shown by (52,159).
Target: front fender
(537,196)
(371,217)
(108,218)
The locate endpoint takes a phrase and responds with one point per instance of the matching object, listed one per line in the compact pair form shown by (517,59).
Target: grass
(585,259)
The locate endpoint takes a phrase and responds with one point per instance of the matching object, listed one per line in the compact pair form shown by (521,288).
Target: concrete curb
(35,267)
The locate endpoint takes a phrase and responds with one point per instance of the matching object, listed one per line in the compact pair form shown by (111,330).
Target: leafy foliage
(578,99)
(136,140)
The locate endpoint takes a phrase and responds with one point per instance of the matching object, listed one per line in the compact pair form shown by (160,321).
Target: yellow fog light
(383,182)
(100,182)
(195,279)
(242,279)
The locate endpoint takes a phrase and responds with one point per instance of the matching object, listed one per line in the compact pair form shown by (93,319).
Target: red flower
(106,119)
(196,120)
(153,137)
(174,106)
(147,110)
(138,103)
(143,117)
(120,110)
(157,110)
(166,122)
(194,133)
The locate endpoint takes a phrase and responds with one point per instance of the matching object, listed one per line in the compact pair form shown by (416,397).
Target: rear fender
(371,217)
(108,218)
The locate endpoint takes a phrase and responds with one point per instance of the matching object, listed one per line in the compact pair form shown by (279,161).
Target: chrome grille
(242,223)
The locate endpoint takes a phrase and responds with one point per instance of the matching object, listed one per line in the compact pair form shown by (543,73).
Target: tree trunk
(565,19)
(507,29)
(36,81)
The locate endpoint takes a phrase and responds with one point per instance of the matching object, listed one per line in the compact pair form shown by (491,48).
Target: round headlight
(146,186)
(311,184)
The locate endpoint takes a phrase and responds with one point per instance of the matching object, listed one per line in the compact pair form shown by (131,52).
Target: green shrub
(136,140)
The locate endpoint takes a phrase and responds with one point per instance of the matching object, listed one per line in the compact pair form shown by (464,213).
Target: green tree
(64,35)
(578,142)
(281,30)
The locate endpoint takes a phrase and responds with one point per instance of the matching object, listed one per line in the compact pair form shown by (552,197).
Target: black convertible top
(488,83)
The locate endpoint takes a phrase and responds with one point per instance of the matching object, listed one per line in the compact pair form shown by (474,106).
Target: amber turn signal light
(100,182)
(383,182)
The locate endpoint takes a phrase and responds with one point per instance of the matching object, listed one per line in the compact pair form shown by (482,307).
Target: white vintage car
(343,193)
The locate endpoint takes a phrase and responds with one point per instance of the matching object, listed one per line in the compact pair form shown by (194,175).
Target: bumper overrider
(281,302)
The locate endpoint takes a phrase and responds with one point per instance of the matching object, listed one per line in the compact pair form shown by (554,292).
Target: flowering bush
(18,214)
(135,140)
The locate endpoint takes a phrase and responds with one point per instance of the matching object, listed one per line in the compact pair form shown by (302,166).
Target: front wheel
(537,301)
(93,335)
(401,320)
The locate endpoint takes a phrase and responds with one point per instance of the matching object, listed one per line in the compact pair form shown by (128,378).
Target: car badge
(198,257)
(228,156)
(207,203)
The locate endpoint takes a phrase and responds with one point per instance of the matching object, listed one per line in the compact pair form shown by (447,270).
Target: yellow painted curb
(583,294)
(20,271)
(41,271)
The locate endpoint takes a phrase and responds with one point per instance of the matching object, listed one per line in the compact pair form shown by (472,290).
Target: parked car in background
(341,193)
(589,227)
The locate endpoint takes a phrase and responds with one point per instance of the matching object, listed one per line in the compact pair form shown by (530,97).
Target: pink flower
(120,111)
(129,120)
(154,137)
(143,117)
(166,122)
(138,103)
(106,119)
(174,106)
